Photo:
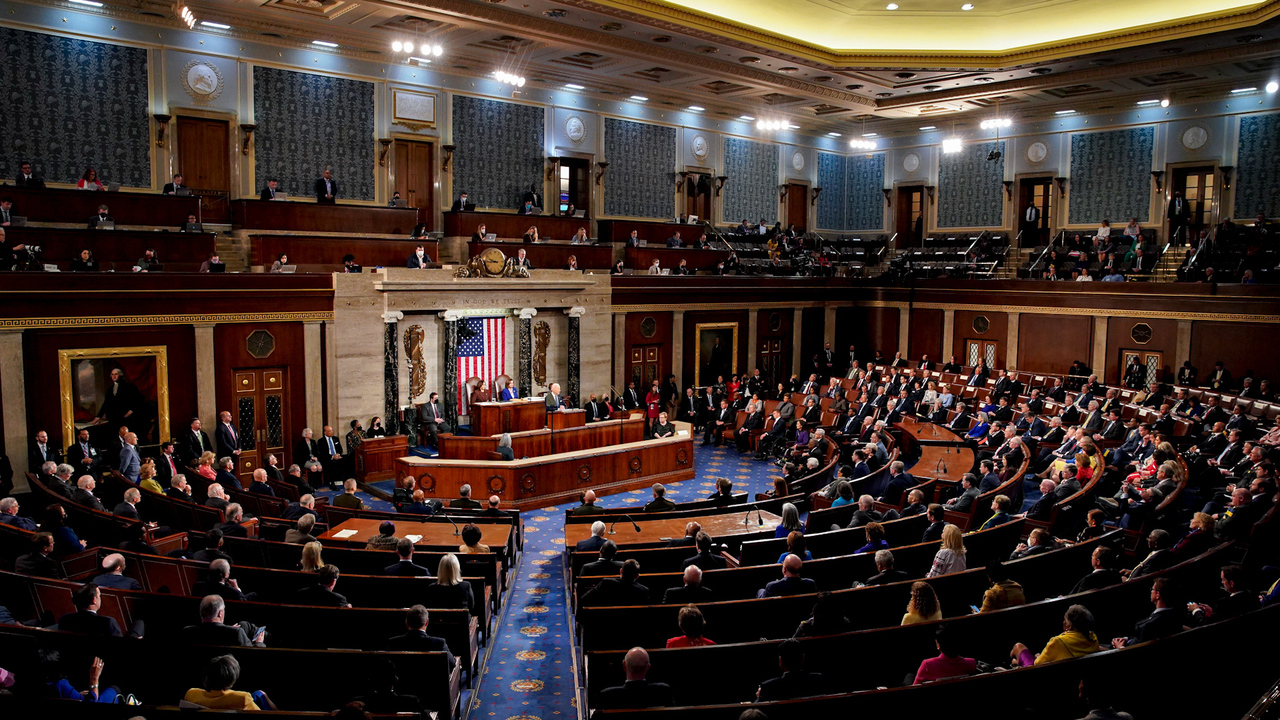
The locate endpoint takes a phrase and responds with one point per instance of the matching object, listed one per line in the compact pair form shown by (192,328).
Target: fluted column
(13,394)
(390,370)
(575,354)
(525,360)
(450,389)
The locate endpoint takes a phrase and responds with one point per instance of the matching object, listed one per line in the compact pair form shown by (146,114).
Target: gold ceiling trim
(715,27)
(116,320)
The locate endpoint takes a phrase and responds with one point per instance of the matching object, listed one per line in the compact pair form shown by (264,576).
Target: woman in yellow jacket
(1077,639)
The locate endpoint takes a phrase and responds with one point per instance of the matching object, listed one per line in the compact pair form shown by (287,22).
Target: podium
(495,418)
(375,458)
(564,419)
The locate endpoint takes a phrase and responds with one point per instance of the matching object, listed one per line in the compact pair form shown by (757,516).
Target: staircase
(233,249)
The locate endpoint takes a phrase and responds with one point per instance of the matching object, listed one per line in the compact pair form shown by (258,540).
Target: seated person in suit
(207,265)
(232,527)
(460,204)
(84,262)
(886,574)
(588,506)
(37,563)
(449,589)
(192,225)
(691,591)
(968,493)
(212,631)
(1167,619)
(791,582)
(259,484)
(471,544)
(464,499)
(114,576)
(128,507)
(212,548)
(9,516)
(1103,574)
(269,192)
(606,565)
(636,692)
(510,391)
(794,681)
(322,592)
(419,259)
(619,591)
(103,216)
(348,497)
(218,581)
(705,559)
(595,542)
(659,503)
(301,533)
(504,447)
(405,566)
(419,506)
(416,639)
(87,600)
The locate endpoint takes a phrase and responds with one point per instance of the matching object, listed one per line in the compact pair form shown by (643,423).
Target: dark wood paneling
(689,342)
(926,334)
(312,217)
(661,338)
(638,259)
(784,335)
(552,256)
(231,353)
(324,254)
(655,232)
(414,168)
(117,249)
(998,332)
(813,331)
(40,362)
(797,205)
(203,160)
(1049,343)
(510,226)
(77,205)
(870,329)
(1240,346)
(1164,339)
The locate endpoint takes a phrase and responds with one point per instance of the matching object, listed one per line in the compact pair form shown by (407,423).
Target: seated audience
(450,590)
(215,692)
(947,664)
(794,681)
(636,692)
(923,605)
(691,624)
(1077,639)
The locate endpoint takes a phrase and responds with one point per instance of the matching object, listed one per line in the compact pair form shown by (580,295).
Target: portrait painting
(104,389)
(717,351)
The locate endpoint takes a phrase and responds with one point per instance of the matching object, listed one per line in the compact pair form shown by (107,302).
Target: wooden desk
(552,256)
(564,419)
(375,458)
(640,258)
(321,253)
(535,443)
(652,531)
(126,207)
(550,479)
(655,232)
(434,534)
(927,433)
(943,460)
(512,226)
(288,215)
(117,249)
(495,418)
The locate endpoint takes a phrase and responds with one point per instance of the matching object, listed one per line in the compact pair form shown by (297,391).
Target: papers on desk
(413,538)
(344,534)
(682,433)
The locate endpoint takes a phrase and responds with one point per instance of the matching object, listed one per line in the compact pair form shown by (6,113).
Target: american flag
(482,355)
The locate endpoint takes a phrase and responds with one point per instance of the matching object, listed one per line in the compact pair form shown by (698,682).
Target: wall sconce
(720,181)
(782,192)
(603,164)
(386,146)
(247,129)
(1008,189)
(554,170)
(684,178)
(1226,176)
(816,192)
(1158,176)
(448,155)
(1061,183)
(888,196)
(929,189)
(162,124)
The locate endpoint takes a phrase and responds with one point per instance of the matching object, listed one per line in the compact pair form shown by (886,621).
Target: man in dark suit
(631,398)
(194,443)
(1167,619)
(723,420)
(269,192)
(553,398)
(82,455)
(172,188)
(218,581)
(937,522)
(86,620)
(432,419)
(212,631)
(1103,574)
(968,493)
(659,503)
(232,527)
(606,565)
(405,567)
(227,436)
(705,559)
(128,507)
(596,410)
(899,482)
(464,499)
(326,188)
(691,591)
(753,421)
(114,576)
(37,563)
(595,542)
(588,506)
(332,456)
(791,582)
(990,479)
(1029,225)
(101,218)
(322,592)
(619,591)
(419,259)
(9,516)
(794,681)
(461,203)
(1179,215)
(226,476)
(416,639)
(884,570)
(27,177)
(40,451)
(636,692)
(1237,602)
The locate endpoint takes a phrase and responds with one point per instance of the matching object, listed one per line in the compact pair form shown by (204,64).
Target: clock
(260,344)
(911,162)
(575,129)
(1037,152)
(493,261)
(1194,137)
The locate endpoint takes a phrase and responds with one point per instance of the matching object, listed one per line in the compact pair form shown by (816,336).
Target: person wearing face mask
(419,259)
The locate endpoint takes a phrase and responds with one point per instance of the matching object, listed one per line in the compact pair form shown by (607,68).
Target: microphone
(941,464)
(759,517)
(634,524)
(451,522)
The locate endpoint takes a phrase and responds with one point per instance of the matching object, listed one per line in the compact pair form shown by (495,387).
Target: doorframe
(808,188)
(680,192)
(1056,204)
(929,221)
(596,197)
(1167,193)
(437,179)
(239,175)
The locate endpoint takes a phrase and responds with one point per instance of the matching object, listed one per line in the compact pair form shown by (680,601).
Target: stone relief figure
(542,339)
(413,337)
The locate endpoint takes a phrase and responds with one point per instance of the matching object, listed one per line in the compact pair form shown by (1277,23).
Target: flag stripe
(483,355)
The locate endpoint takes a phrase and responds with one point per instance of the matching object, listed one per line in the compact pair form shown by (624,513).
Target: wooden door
(797,206)
(910,216)
(413,167)
(260,410)
(697,196)
(1038,192)
(986,350)
(204,162)
(773,361)
(646,361)
(1153,361)
(1197,187)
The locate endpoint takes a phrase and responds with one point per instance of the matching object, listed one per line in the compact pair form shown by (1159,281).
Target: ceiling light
(1273,86)
(507,78)
(745,117)
(1243,90)
(397,46)
(696,108)
(862,144)
(90,3)
(869,134)
(571,86)
(1165,102)
(967,6)
(408,47)
(186,15)
(420,60)
(216,26)
(929,127)
(995,123)
(323,43)
(1148,102)
(794,127)
(891,6)
(951,145)
(1065,112)
(437,50)
(833,134)
(639,98)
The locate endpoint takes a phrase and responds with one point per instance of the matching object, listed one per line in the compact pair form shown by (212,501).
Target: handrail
(1213,235)
(1044,252)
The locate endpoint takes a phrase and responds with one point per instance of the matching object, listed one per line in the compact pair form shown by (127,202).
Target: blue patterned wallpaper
(970,193)
(752,189)
(308,122)
(1110,176)
(641,158)
(864,204)
(500,150)
(67,105)
(1257,177)
(831,203)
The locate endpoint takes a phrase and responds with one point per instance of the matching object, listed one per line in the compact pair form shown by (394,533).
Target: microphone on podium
(634,524)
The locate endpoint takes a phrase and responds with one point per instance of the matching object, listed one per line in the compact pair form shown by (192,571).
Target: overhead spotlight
(639,98)
(748,118)
(184,12)
(507,78)
(696,108)
(891,6)
(967,6)
(1241,91)
(323,43)
(397,46)
(1164,102)
(408,47)
(573,86)
(995,123)
(437,50)
(214,25)
(1273,86)
(929,127)
(1142,103)
(857,144)
(1064,112)
(951,145)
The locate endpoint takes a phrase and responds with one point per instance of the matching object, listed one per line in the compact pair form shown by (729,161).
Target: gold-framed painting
(715,351)
(105,388)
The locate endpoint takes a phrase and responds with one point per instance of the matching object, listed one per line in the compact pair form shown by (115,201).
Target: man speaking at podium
(555,401)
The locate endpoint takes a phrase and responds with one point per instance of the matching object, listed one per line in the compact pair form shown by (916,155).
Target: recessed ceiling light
(1148,102)
(1064,112)
(217,26)
(1243,90)
(794,127)
(1165,102)
(1273,86)
(419,60)
(869,134)
(951,145)
(929,127)
(696,108)
(90,3)
(833,134)
(745,117)
(891,6)
(323,43)
(571,86)
(639,98)
(967,6)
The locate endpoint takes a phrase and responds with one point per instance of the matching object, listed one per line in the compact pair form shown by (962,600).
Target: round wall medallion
(634,465)
(682,457)
(260,344)
(911,162)
(981,324)
(1141,333)
(699,147)
(528,483)
(1194,137)
(202,80)
(584,473)
(575,129)
(775,322)
(648,327)
(1037,152)
(427,483)
(797,161)
(496,484)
